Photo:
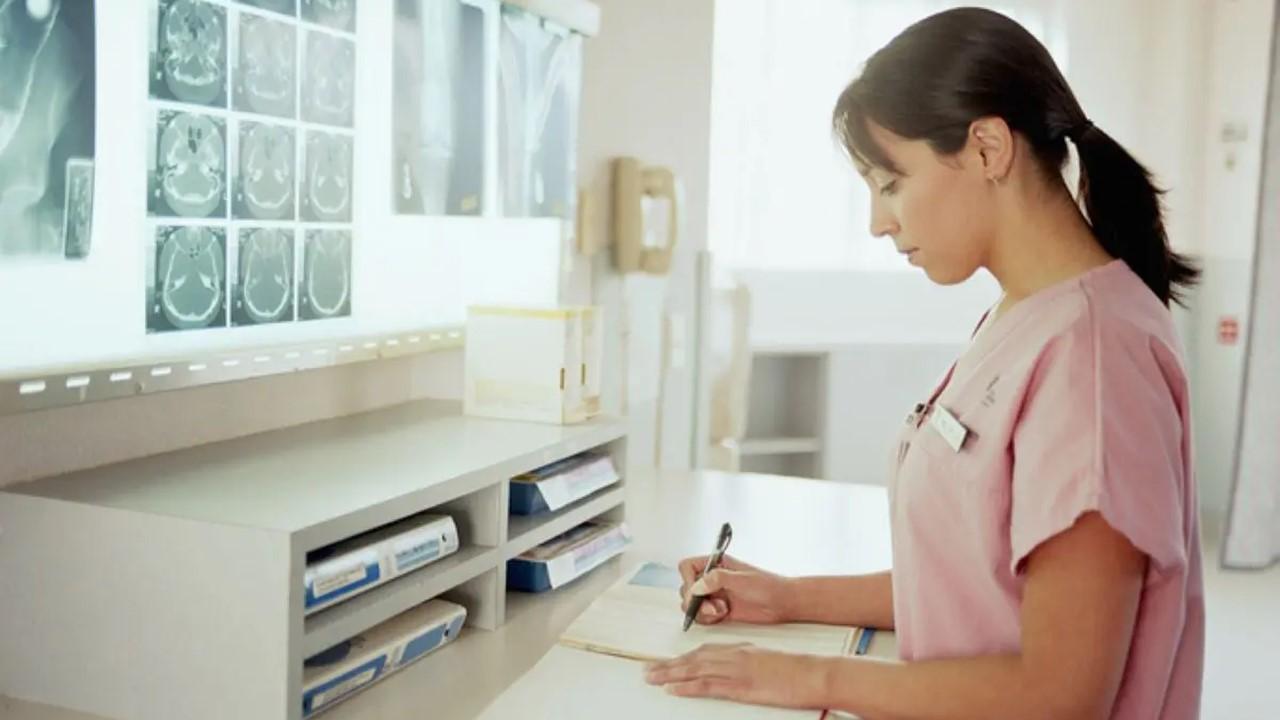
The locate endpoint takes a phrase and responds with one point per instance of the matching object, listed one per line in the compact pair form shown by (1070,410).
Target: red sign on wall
(1228,330)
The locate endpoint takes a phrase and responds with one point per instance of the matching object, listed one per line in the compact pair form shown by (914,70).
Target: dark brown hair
(934,79)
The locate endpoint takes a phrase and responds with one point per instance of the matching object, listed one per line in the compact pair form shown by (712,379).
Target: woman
(1046,558)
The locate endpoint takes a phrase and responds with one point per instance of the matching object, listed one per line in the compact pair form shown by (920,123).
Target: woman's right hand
(734,591)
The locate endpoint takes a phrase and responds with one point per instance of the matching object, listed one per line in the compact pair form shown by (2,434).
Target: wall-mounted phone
(636,190)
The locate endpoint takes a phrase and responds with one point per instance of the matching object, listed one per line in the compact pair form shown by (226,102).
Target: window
(783,195)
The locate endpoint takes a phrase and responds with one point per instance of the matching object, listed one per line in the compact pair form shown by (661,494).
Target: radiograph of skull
(47,96)
(324,289)
(284,7)
(264,286)
(328,87)
(326,187)
(265,175)
(266,70)
(539,72)
(188,174)
(438,120)
(189,53)
(189,286)
(337,14)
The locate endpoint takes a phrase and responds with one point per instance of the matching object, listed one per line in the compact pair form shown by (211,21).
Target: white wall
(1162,77)
(871,307)
(647,93)
(1240,32)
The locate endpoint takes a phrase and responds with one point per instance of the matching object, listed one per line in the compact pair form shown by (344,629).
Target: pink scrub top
(1075,400)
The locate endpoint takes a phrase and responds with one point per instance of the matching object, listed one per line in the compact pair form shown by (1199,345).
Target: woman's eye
(889,188)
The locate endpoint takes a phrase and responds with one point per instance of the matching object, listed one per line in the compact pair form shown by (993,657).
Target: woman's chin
(946,275)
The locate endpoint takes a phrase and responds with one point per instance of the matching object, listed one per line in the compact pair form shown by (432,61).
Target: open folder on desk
(596,670)
(640,618)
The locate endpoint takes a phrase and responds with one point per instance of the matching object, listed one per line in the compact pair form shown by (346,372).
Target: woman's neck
(1042,242)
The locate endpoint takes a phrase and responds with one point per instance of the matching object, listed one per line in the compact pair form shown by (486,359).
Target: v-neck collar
(991,332)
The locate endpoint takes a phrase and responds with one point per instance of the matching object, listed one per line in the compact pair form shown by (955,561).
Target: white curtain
(1253,525)
(783,196)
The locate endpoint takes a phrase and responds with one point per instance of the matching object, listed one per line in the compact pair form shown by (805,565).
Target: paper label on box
(595,475)
(349,685)
(576,484)
(570,565)
(599,550)
(414,551)
(560,570)
(331,577)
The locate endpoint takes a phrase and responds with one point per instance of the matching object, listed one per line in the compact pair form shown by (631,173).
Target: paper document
(640,618)
(569,684)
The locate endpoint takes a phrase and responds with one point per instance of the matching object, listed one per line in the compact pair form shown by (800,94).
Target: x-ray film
(78,214)
(324,288)
(326,184)
(439,115)
(47,96)
(188,165)
(189,52)
(265,180)
(229,190)
(265,73)
(540,77)
(336,14)
(284,7)
(328,80)
(263,287)
(187,279)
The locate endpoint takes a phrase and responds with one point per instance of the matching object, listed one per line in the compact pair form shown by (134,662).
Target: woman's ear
(993,141)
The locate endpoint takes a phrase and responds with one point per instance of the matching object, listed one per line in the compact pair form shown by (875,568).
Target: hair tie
(1078,130)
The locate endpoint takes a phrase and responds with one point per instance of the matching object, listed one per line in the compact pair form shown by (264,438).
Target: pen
(864,641)
(722,544)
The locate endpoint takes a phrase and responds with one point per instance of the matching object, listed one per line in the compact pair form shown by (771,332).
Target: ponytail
(1124,209)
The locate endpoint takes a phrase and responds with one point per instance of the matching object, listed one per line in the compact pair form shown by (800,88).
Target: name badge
(951,429)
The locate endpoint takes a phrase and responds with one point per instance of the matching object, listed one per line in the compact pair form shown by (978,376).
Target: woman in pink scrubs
(1046,556)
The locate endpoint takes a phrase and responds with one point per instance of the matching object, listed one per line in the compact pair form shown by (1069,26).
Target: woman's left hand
(742,673)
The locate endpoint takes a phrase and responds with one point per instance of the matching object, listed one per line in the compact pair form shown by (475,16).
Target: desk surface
(789,525)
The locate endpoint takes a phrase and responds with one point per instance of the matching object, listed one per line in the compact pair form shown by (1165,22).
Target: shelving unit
(527,531)
(786,416)
(171,586)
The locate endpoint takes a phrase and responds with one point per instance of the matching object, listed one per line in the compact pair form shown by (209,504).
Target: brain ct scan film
(187,287)
(265,70)
(188,174)
(326,184)
(328,80)
(189,52)
(250,162)
(264,281)
(336,14)
(324,288)
(284,7)
(264,178)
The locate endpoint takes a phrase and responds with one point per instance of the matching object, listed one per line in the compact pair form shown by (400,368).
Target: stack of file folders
(567,557)
(349,667)
(343,570)
(559,484)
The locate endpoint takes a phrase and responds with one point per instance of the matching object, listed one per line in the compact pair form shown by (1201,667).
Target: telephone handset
(632,184)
